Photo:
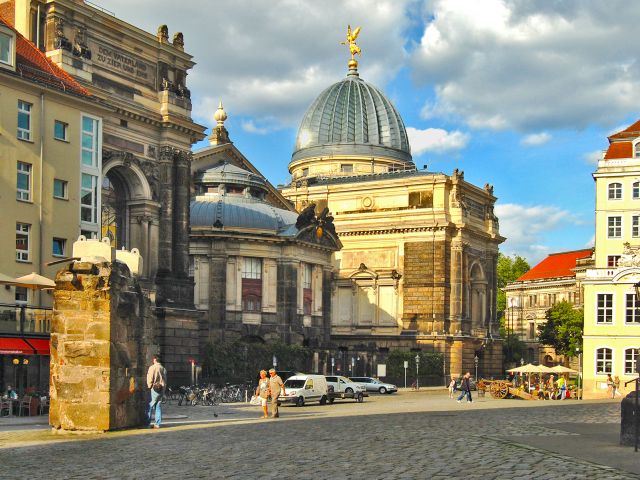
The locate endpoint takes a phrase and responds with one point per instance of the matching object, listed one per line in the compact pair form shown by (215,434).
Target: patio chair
(5,404)
(44,405)
(25,403)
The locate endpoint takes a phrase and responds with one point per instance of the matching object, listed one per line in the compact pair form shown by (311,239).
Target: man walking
(465,386)
(156,382)
(275,386)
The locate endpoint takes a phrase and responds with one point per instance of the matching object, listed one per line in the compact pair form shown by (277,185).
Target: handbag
(255,400)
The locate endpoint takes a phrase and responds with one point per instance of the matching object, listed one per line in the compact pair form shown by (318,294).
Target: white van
(304,388)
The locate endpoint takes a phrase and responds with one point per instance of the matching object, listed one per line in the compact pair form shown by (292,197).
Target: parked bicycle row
(207,394)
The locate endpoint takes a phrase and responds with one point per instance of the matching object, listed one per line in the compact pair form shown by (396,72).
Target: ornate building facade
(555,279)
(417,270)
(262,271)
(140,181)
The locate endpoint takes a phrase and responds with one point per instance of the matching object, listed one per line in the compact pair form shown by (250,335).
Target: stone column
(181,214)
(457,292)
(165,257)
(102,339)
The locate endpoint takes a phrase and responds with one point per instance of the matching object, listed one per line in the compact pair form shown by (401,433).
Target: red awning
(14,346)
(40,345)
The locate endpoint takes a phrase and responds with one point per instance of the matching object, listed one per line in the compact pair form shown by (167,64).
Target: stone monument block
(628,420)
(102,339)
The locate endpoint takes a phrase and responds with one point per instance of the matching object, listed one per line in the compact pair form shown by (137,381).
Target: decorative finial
(220,116)
(219,134)
(353,48)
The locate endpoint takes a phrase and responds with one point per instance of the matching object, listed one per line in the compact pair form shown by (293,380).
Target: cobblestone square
(407,435)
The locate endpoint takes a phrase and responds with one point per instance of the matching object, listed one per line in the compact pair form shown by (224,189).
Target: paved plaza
(405,435)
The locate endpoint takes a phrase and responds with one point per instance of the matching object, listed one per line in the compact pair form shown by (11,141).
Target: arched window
(615,191)
(630,359)
(252,284)
(604,361)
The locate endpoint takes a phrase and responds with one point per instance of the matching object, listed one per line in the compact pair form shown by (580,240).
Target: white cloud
(592,158)
(530,66)
(251,127)
(591,242)
(525,228)
(435,139)
(536,139)
(269,60)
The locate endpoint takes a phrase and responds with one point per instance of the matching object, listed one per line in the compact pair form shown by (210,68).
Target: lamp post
(475,361)
(417,371)
(579,372)
(353,364)
(275,361)
(333,363)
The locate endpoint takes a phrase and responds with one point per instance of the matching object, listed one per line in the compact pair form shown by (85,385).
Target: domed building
(260,268)
(417,270)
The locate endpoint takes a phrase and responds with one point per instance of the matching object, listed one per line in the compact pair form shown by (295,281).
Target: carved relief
(60,41)
(630,256)
(80,48)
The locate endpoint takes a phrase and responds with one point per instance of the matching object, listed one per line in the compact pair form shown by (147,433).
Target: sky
(521,94)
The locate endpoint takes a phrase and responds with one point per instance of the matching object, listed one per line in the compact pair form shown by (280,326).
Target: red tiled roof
(619,150)
(556,265)
(631,131)
(8,11)
(34,65)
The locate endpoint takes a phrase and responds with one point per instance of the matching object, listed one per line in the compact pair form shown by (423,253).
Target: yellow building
(611,307)
(50,147)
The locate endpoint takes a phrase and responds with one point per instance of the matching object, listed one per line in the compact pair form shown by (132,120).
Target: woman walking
(262,391)
(452,387)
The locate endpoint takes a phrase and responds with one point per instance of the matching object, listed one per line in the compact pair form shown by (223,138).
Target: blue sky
(519,94)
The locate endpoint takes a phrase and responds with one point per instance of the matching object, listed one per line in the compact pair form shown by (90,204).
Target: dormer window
(615,191)
(7,43)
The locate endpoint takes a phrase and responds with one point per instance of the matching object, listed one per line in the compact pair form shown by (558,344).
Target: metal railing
(25,319)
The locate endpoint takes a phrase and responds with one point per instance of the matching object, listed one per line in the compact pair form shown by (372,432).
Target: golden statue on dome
(353,48)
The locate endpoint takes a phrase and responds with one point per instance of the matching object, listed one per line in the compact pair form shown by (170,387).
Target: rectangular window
(635,226)
(89,198)
(60,130)
(88,234)
(5,49)
(604,312)
(604,361)
(615,191)
(614,227)
(23,182)
(89,142)
(59,247)
(22,295)
(307,295)
(252,284)
(24,120)
(22,241)
(630,359)
(635,188)
(346,168)
(532,331)
(632,310)
(612,260)
(59,188)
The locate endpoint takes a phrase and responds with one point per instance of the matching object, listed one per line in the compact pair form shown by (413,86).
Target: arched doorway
(130,216)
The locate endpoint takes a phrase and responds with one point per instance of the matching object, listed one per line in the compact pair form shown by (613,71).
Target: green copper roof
(352,117)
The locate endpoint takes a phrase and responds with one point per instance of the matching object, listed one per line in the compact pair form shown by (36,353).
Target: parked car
(304,388)
(374,385)
(343,384)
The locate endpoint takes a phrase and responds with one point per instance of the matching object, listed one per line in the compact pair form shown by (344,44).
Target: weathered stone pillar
(181,215)
(166,214)
(102,339)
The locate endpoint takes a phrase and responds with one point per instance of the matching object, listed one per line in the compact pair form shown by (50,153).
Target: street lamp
(333,363)
(353,364)
(475,361)
(579,372)
(275,361)
(417,371)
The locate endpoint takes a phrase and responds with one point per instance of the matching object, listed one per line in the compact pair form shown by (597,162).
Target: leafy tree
(563,328)
(508,270)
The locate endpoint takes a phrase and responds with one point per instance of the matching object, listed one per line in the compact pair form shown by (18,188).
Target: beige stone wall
(102,339)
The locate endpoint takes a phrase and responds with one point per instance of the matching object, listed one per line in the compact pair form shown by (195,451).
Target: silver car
(375,385)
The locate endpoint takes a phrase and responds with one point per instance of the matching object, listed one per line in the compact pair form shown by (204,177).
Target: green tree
(508,270)
(563,328)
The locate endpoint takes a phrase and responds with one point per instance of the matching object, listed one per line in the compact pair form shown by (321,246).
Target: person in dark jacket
(465,387)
